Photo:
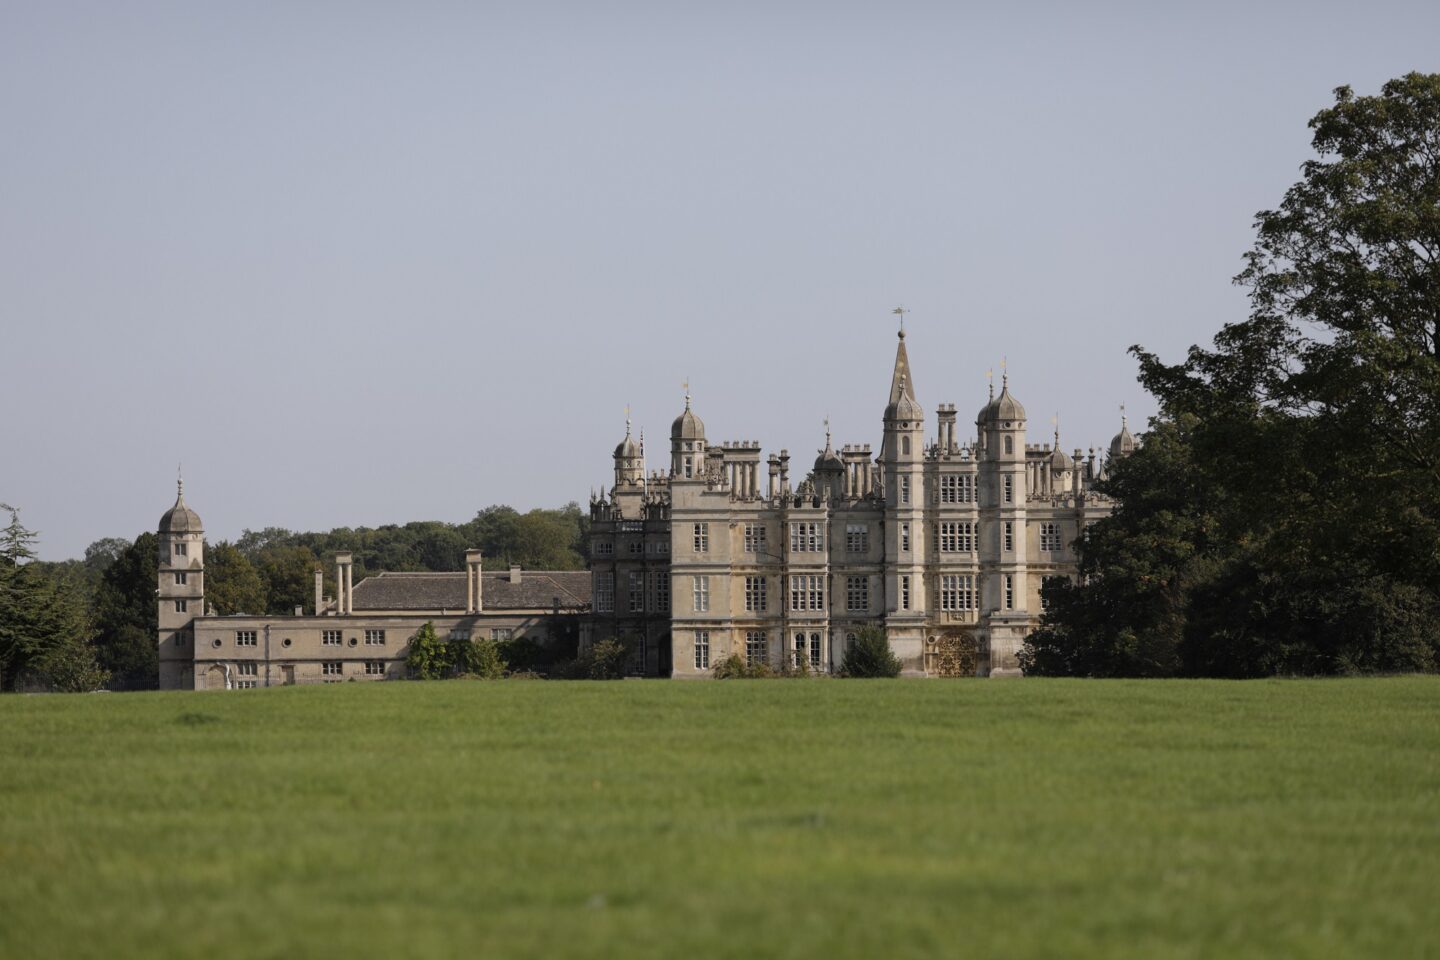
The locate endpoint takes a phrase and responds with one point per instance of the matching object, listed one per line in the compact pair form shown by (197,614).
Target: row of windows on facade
(373,638)
(807,593)
(247,674)
(809,537)
(807,649)
(635,548)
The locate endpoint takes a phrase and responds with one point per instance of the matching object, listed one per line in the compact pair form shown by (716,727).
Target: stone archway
(215,678)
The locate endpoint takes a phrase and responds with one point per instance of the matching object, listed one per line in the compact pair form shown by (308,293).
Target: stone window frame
(857,594)
(757,648)
(756,594)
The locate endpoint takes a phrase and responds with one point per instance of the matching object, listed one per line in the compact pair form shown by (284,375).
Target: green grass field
(736,819)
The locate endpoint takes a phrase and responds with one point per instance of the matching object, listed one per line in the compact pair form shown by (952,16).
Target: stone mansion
(943,543)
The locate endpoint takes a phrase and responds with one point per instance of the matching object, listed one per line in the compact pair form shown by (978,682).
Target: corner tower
(902,462)
(1004,550)
(180,591)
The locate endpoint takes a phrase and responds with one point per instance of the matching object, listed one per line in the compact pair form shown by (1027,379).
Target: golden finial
(1123,424)
(687,393)
(990,378)
(1004,373)
(627,419)
(900,312)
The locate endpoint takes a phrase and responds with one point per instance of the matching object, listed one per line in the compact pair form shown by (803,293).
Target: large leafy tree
(1284,513)
(287,576)
(44,630)
(126,615)
(232,584)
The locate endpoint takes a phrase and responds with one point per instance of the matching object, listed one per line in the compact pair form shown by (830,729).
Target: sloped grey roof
(181,519)
(537,589)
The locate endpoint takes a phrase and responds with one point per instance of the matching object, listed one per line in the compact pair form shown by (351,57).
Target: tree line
(90,623)
(1282,515)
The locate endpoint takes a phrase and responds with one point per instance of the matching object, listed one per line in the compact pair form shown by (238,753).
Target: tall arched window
(1009,445)
(905,446)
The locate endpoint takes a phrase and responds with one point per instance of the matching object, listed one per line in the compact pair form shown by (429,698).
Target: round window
(285,642)
(215,643)
(353,641)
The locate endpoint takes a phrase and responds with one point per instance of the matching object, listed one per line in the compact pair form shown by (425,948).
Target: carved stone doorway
(952,654)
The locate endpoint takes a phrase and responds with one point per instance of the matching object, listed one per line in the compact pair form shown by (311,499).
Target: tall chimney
(319,591)
(474,601)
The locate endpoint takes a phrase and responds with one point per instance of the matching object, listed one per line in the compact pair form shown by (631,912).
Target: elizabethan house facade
(942,542)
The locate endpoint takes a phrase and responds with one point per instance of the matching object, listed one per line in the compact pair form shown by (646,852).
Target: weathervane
(900,312)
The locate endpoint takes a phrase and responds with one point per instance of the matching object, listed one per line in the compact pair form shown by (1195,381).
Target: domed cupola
(1124,442)
(687,426)
(687,443)
(1002,424)
(829,459)
(1006,407)
(629,458)
(829,468)
(180,518)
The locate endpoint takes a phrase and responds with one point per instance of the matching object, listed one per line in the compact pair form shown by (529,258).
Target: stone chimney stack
(319,591)
(344,582)
(474,596)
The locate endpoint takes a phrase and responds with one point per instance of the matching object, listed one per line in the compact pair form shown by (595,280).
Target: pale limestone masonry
(361,635)
(943,544)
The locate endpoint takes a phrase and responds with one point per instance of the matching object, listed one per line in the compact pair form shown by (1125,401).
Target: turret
(902,462)
(830,470)
(629,460)
(687,444)
(1123,443)
(180,590)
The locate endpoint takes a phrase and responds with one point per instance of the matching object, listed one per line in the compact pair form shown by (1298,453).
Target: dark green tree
(125,616)
(287,576)
(427,657)
(1283,515)
(44,628)
(231,583)
(869,655)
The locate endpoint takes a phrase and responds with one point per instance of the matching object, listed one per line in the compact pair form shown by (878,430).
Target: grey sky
(358,264)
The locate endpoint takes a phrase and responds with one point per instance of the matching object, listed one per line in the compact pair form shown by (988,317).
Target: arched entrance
(215,678)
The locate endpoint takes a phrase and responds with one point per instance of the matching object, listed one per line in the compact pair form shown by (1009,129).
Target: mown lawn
(735,819)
